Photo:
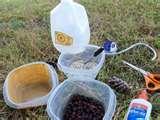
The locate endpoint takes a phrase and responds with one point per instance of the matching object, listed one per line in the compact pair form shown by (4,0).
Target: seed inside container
(83,108)
(80,64)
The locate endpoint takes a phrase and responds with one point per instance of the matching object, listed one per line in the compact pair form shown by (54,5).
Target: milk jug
(69,27)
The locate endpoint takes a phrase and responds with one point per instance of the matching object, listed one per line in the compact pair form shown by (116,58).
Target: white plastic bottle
(140,108)
(69,27)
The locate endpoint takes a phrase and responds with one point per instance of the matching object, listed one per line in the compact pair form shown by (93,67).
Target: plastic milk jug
(140,108)
(69,27)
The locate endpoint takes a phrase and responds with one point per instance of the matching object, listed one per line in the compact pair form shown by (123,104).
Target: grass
(25,37)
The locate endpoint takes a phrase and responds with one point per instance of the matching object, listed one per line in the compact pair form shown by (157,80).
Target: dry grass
(25,37)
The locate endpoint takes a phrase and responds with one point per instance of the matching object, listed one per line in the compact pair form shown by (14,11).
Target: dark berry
(83,108)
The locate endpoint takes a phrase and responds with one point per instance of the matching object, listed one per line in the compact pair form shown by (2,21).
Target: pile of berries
(83,108)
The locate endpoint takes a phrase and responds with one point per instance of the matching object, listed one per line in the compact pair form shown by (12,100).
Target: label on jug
(63,39)
(137,112)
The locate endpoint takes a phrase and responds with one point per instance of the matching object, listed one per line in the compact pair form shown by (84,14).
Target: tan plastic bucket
(29,85)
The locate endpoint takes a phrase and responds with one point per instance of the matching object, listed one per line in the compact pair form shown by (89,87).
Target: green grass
(25,37)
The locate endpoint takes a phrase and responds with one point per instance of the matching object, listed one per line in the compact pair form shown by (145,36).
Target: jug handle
(73,8)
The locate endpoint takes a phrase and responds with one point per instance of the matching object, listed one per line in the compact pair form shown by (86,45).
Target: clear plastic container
(29,85)
(65,61)
(83,86)
(69,27)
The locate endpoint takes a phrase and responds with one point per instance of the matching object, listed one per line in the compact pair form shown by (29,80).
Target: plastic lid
(143,95)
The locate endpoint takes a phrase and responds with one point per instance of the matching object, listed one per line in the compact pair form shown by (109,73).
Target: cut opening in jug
(74,64)
(89,88)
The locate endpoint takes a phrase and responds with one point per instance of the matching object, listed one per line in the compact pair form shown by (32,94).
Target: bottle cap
(143,95)
(110,46)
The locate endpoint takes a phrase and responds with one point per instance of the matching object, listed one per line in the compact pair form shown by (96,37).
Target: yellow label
(63,39)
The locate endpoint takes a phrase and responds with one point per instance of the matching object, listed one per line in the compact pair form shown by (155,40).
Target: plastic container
(140,108)
(69,27)
(29,85)
(83,86)
(65,61)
